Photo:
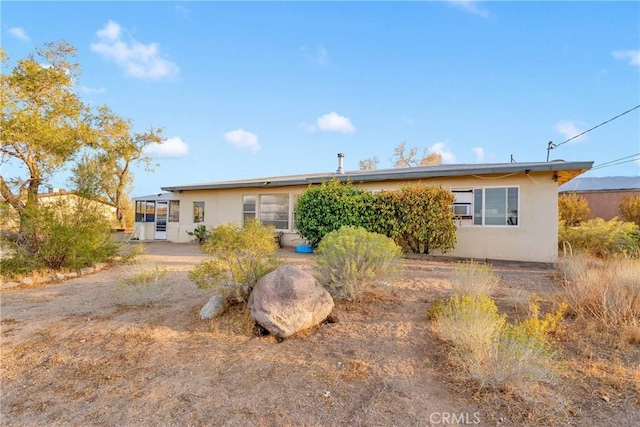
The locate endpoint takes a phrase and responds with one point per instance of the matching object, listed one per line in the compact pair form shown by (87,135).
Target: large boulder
(289,300)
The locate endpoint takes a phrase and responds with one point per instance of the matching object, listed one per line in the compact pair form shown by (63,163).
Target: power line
(551,145)
(621,161)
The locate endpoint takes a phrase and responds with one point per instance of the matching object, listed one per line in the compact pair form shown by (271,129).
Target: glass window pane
(198,211)
(477,206)
(512,206)
(495,207)
(174,211)
(139,211)
(150,211)
(274,210)
(248,203)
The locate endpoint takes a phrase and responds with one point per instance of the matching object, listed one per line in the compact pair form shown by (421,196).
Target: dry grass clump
(474,278)
(142,289)
(608,292)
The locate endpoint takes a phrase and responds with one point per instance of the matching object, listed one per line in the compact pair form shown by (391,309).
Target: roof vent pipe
(340,164)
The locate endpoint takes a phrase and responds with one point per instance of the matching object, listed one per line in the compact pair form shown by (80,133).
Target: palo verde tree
(105,169)
(43,125)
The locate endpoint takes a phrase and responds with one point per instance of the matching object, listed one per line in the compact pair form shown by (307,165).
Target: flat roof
(604,183)
(564,170)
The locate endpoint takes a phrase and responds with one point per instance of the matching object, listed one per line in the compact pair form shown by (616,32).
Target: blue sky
(257,89)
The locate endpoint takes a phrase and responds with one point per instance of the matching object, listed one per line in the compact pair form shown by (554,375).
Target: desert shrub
(142,289)
(62,235)
(573,209)
(470,323)
(474,278)
(608,292)
(541,326)
(515,359)
(630,209)
(601,238)
(329,206)
(241,256)
(351,259)
(499,355)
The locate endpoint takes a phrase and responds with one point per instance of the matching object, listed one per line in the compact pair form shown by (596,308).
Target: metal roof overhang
(563,171)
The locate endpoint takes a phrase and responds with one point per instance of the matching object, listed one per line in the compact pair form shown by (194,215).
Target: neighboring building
(603,194)
(506,211)
(66,199)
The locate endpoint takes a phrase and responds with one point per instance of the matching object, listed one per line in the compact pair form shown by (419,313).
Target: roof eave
(565,171)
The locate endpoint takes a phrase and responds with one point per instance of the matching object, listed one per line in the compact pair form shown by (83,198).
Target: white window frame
(510,221)
(195,206)
(257,213)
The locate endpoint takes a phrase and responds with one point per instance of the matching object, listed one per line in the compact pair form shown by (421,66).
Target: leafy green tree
(42,126)
(331,205)
(106,170)
(630,209)
(241,256)
(573,209)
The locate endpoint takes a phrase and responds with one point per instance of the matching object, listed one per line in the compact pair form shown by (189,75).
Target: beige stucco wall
(533,239)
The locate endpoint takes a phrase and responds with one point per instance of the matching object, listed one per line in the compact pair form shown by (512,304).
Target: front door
(162,210)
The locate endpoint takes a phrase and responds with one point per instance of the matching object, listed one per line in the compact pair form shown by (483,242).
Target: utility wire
(617,162)
(597,126)
(551,145)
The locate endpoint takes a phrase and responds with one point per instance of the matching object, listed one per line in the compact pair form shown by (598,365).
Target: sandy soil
(72,356)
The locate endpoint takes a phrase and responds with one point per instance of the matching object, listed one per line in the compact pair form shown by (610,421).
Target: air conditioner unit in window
(461,209)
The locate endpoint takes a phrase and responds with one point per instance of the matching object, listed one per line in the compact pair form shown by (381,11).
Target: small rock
(58,277)
(213,308)
(71,275)
(27,281)
(8,285)
(87,270)
(326,393)
(44,279)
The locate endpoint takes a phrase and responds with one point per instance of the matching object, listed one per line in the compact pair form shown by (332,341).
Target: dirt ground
(72,356)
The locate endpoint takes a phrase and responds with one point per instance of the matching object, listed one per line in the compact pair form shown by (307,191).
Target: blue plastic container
(304,249)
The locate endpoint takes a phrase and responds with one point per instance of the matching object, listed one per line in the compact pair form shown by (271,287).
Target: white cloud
(171,147)
(320,56)
(243,139)
(479,152)
(569,129)
(138,60)
(91,90)
(330,122)
(633,56)
(470,6)
(442,149)
(19,33)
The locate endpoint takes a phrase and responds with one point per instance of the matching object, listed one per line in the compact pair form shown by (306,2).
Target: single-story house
(603,194)
(504,211)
